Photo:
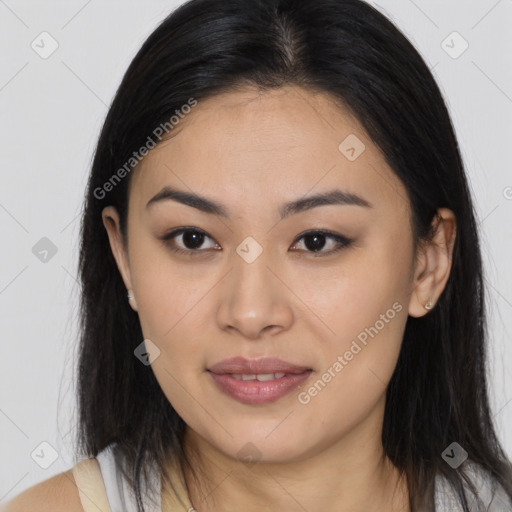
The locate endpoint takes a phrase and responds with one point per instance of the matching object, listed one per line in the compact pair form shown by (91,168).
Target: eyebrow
(333,197)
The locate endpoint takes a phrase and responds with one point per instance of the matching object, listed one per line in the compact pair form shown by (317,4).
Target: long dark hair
(348,49)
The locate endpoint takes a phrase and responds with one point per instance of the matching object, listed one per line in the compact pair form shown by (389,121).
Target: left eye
(314,241)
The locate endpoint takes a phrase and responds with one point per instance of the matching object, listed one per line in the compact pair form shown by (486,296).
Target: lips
(264,366)
(260,381)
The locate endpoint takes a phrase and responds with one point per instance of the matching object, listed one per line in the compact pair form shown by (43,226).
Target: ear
(119,251)
(433,263)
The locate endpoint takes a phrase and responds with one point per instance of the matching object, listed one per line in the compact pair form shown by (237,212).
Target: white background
(51,113)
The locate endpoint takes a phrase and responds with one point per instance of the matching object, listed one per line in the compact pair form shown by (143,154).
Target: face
(324,286)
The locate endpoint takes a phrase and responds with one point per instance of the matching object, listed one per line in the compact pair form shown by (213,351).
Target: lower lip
(256,392)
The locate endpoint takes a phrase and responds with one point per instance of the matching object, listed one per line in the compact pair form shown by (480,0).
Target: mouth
(263,366)
(261,377)
(257,381)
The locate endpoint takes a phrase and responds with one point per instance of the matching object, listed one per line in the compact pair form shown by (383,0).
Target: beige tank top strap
(91,487)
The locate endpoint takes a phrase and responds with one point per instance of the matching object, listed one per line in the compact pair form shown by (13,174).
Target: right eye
(191,239)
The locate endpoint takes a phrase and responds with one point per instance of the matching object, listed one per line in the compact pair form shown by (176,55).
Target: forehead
(280,143)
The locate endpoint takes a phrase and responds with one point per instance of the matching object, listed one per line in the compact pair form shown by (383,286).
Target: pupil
(315,246)
(193,238)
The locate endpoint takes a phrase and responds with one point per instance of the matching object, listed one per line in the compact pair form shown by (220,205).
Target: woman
(283,305)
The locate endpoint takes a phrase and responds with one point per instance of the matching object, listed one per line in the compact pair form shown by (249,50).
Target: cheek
(353,295)
(165,291)
(180,390)
(171,313)
(358,364)
(363,308)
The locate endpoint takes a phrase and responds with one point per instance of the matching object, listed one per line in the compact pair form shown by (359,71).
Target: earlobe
(421,302)
(131,300)
(433,264)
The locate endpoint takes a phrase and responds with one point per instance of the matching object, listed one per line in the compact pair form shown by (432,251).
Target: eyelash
(343,242)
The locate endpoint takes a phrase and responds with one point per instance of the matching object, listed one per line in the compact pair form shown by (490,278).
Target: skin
(252,152)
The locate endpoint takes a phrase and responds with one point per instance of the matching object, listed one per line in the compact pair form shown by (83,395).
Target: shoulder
(58,493)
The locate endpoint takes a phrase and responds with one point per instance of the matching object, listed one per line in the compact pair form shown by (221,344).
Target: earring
(429,304)
(131,300)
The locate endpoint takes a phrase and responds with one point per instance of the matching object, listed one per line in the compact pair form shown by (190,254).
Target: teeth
(261,376)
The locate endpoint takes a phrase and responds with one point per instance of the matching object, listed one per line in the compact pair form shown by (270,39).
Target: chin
(256,445)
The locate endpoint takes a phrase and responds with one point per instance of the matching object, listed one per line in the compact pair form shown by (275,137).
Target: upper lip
(240,365)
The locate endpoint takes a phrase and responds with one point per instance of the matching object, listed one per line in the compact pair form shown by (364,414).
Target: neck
(351,475)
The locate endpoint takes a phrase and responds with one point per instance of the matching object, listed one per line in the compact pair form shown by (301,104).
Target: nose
(255,300)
